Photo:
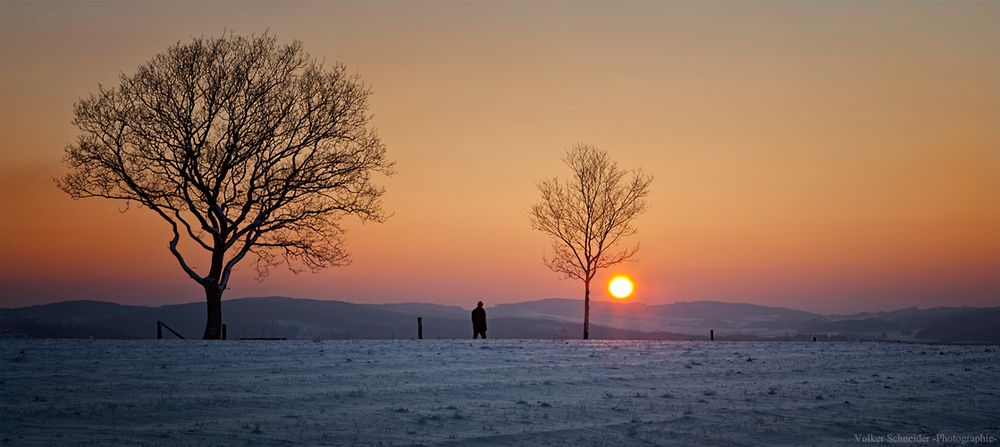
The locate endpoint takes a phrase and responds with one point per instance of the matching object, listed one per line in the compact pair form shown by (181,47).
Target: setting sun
(620,287)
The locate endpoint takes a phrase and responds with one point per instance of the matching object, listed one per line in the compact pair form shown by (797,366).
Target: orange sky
(827,156)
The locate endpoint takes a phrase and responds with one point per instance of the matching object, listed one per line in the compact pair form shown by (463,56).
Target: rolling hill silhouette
(545,319)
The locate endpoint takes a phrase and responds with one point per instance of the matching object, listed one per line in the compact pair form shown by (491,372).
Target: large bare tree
(589,215)
(244,146)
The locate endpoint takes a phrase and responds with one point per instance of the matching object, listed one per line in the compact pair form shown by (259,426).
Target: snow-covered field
(494,392)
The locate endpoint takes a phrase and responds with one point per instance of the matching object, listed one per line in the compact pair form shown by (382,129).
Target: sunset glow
(826,156)
(620,287)
(520,221)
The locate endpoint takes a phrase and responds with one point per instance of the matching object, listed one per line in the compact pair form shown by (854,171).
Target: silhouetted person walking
(478,321)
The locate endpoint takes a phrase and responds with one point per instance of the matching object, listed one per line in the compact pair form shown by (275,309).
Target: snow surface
(492,392)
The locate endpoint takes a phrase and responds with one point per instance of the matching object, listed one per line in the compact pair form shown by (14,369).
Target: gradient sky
(826,156)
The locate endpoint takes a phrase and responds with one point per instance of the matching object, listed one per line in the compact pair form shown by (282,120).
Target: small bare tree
(243,146)
(588,215)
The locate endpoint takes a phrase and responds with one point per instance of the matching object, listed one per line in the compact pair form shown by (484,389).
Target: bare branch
(242,145)
(590,214)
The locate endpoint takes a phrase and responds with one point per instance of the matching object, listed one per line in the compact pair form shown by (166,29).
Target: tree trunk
(213,319)
(586,310)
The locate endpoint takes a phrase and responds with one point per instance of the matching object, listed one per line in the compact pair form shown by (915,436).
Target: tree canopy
(242,145)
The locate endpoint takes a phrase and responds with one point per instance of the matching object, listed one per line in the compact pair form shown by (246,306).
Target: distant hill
(69,311)
(695,317)
(422,309)
(853,326)
(285,317)
(547,319)
(247,317)
(979,326)
(729,311)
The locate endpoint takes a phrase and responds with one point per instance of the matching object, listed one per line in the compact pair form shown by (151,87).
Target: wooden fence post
(159,330)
